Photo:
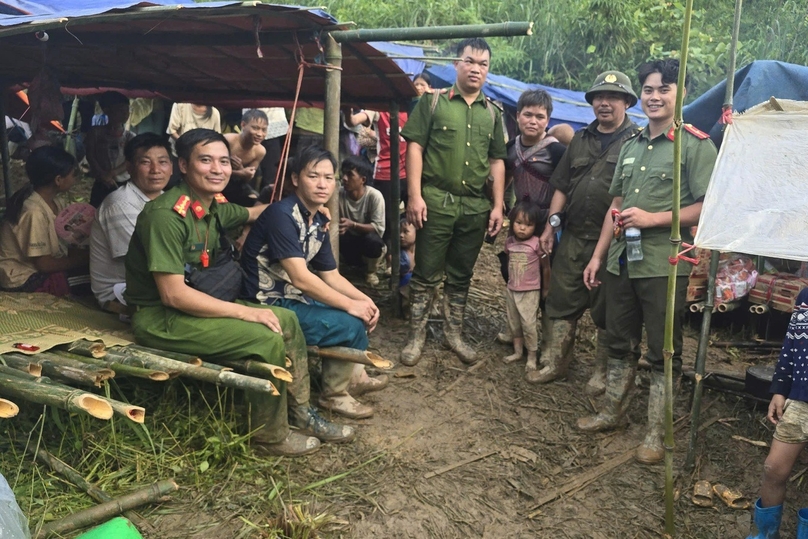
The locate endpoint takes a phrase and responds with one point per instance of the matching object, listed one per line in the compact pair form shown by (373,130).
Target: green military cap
(612,81)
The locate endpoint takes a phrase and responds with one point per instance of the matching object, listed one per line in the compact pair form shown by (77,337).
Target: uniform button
(663,175)
(468,144)
(636,190)
(641,168)
(467,163)
(444,128)
(469,126)
(464,182)
(650,146)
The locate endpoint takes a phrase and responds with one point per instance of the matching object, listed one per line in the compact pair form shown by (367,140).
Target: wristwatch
(555,220)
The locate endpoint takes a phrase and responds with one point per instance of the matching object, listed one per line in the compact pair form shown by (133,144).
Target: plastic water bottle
(633,244)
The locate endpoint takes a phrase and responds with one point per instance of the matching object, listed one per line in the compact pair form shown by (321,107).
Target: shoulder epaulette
(497,104)
(695,131)
(182,205)
(220,198)
(635,133)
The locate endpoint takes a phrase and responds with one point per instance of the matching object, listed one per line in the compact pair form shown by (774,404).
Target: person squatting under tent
(178,236)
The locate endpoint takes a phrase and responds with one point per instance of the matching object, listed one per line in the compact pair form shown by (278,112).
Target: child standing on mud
(789,411)
(523,293)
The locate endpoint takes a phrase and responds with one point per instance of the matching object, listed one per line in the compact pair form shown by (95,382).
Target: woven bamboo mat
(46,321)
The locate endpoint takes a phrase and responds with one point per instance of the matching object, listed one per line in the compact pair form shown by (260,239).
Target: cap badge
(610,78)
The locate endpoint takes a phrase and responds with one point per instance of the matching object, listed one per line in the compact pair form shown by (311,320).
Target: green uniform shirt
(458,140)
(165,241)
(644,178)
(585,174)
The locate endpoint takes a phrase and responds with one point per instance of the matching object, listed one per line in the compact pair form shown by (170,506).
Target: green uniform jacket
(585,174)
(458,140)
(644,178)
(168,235)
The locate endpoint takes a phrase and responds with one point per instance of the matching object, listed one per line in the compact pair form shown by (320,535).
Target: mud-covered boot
(597,383)
(619,383)
(308,421)
(652,451)
(557,355)
(420,300)
(767,521)
(454,308)
(371,277)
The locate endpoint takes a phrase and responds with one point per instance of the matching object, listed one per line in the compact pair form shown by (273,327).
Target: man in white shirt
(148,162)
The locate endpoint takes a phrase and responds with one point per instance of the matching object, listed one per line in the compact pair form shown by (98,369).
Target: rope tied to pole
(302,64)
(674,260)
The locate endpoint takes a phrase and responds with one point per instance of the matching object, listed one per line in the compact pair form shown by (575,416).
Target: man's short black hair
(535,98)
(112,98)
(311,155)
(360,165)
(254,114)
(191,139)
(145,142)
(668,68)
(476,44)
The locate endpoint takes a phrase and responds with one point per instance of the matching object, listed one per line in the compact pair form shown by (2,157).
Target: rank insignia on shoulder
(220,198)
(198,210)
(182,205)
(497,104)
(695,131)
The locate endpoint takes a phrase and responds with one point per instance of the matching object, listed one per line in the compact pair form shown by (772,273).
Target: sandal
(731,497)
(703,494)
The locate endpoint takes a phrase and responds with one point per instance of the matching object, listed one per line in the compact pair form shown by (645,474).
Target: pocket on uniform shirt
(660,185)
(442,137)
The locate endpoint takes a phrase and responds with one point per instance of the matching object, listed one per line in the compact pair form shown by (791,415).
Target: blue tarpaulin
(754,84)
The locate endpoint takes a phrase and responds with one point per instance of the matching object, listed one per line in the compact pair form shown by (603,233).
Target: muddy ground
(526,443)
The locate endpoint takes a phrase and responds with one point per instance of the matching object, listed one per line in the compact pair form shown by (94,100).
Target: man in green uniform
(180,230)
(455,141)
(636,290)
(582,180)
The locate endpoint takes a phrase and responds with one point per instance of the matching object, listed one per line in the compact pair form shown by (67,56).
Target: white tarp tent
(757,201)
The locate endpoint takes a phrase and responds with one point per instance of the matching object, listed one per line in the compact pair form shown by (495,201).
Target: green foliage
(575,40)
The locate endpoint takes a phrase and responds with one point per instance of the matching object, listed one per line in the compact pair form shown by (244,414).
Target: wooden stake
(474,368)
(451,467)
(260,369)
(185,358)
(109,509)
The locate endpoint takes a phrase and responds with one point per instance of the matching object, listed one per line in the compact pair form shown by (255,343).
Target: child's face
(407,235)
(522,228)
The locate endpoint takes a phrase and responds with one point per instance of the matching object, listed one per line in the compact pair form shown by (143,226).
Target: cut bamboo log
(215,366)
(119,368)
(76,478)
(260,369)
(727,307)
(8,409)
(68,369)
(109,509)
(87,348)
(352,355)
(12,384)
(185,358)
(697,307)
(22,363)
(224,378)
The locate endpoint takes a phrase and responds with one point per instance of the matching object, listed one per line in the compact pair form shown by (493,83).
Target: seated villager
(176,250)
(361,218)
(246,154)
(105,147)
(286,246)
(148,162)
(32,257)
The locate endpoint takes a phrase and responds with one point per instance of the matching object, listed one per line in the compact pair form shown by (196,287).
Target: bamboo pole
(25,364)
(395,196)
(727,307)
(152,493)
(435,32)
(119,368)
(697,307)
(676,240)
(259,369)
(77,479)
(185,358)
(331,121)
(8,409)
(68,369)
(87,348)
(12,384)
(70,141)
(352,355)
(224,378)
(701,360)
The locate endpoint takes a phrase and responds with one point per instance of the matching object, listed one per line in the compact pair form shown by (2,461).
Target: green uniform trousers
(568,297)
(634,302)
(227,339)
(448,244)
